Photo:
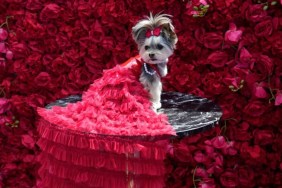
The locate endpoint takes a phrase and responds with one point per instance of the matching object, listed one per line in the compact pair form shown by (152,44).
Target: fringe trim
(98,159)
(66,173)
(151,148)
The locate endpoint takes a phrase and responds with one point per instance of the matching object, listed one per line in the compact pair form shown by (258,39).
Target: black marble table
(188,114)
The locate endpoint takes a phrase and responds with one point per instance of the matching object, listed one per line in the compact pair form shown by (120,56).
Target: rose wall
(228,51)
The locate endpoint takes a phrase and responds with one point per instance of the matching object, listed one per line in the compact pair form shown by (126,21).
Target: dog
(156,40)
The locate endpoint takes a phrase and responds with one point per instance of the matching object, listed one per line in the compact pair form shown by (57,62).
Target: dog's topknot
(151,22)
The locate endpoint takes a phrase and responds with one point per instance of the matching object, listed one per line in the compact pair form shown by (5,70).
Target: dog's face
(155,49)
(155,38)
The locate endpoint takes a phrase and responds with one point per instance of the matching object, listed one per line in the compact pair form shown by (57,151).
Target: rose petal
(278,99)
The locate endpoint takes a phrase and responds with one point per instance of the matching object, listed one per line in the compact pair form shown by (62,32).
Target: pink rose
(3,34)
(219,142)
(2,47)
(207,183)
(5,105)
(28,141)
(213,40)
(278,98)
(218,59)
(233,35)
(264,28)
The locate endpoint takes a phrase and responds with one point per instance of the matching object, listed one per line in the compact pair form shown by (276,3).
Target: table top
(188,114)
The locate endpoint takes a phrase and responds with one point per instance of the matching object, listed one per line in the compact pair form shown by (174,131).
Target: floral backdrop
(228,51)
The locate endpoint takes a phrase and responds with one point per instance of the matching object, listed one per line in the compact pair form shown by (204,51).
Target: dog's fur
(154,50)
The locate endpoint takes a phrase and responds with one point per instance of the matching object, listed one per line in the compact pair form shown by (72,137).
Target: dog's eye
(159,46)
(147,47)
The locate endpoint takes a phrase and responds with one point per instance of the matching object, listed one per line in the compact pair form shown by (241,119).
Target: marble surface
(188,114)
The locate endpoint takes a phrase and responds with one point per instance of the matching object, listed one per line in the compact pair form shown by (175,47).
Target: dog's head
(155,37)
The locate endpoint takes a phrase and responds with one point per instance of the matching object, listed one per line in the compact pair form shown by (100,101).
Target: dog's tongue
(115,104)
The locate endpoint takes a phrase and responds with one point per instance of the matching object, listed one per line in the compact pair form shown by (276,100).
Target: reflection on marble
(189,114)
(186,113)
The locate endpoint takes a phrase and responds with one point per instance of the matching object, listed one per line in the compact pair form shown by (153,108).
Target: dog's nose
(151,55)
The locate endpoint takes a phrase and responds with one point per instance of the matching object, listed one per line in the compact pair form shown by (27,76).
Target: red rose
(200,157)
(96,33)
(263,137)
(62,40)
(179,173)
(199,35)
(217,21)
(213,40)
(254,152)
(42,79)
(59,66)
(264,28)
(186,41)
(212,82)
(255,13)
(80,76)
(255,108)
(22,108)
(50,11)
(200,172)
(51,29)
(229,178)
(246,177)
(276,43)
(34,5)
(36,100)
(183,153)
(217,59)
(263,66)
(20,50)
(239,132)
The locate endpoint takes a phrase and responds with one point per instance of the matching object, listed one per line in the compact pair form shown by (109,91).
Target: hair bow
(154,32)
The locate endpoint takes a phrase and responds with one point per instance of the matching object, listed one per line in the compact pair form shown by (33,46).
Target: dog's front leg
(162,69)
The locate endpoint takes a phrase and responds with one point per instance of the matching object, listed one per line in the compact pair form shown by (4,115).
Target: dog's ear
(170,34)
(139,32)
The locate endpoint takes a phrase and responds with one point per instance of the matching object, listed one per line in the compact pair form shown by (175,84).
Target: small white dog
(156,40)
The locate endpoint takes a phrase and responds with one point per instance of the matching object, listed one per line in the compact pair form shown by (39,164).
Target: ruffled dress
(115,104)
(111,138)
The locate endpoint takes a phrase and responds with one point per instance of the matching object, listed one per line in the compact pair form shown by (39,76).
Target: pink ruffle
(148,147)
(78,159)
(115,104)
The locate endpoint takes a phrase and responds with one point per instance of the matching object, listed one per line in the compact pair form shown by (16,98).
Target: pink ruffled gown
(111,138)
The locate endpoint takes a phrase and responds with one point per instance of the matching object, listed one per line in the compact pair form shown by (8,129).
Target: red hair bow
(154,32)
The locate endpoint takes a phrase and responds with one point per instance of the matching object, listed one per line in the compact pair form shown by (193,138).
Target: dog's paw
(156,105)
